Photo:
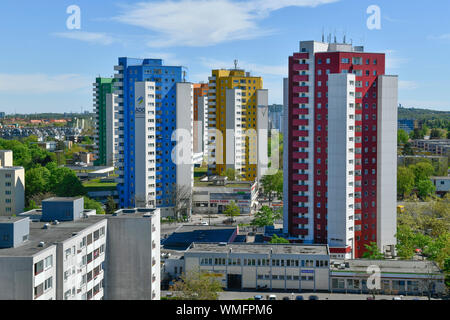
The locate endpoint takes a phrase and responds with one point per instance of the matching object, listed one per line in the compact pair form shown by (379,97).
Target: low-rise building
(213,195)
(405,277)
(442,184)
(262,266)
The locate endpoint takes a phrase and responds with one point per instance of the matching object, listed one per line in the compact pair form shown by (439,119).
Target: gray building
(133,251)
(258,266)
(53,261)
(405,277)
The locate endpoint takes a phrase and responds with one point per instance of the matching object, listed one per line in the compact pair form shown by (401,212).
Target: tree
(232,210)
(277,239)
(197,286)
(407,149)
(425,188)
(372,252)
(402,137)
(405,181)
(92,204)
(273,185)
(265,217)
(422,171)
(437,133)
(111,206)
(65,183)
(182,201)
(405,242)
(231,174)
(36,181)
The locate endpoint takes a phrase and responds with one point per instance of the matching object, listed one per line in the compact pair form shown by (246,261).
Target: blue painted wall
(144,70)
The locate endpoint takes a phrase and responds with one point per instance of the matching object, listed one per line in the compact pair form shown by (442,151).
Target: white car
(272,297)
(204,223)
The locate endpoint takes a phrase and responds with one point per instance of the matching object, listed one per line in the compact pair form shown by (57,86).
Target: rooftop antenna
(235,64)
(329,38)
(184,75)
(323,35)
(335,40)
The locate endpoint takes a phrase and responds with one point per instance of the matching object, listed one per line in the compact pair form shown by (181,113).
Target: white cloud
(407,85)
(205,22)
(91,37)
(393,60)
(42,83)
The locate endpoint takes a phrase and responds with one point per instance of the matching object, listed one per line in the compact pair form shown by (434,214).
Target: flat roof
(52,235)
(133,213)
(62,199)
(183,237)
(263,248)
(387,266)
(4,219)
(441,178)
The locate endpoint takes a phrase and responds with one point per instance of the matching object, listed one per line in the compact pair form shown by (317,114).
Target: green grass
(97,185)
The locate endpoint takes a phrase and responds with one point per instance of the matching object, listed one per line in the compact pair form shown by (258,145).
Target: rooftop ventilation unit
(41,244)
(46,226)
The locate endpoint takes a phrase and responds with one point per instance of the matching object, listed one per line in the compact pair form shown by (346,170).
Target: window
(38,267)
(48,284)
(39,290)
(48,262)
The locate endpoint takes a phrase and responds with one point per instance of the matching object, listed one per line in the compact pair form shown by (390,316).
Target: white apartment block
(145,141)
(54,261)
(202,125)
(27,269)
(341,161)
(12,185)
(387,162)
(112,141)
(183,154)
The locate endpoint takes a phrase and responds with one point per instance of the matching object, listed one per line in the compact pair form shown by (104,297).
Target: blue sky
(44,66)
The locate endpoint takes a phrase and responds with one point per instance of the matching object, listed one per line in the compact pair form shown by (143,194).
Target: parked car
(299,298)
(204,223)
(272,297)
(397,298)
(313,297)
(258,297)
(286,298)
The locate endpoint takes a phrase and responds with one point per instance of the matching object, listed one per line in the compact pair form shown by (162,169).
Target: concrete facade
(257,266)
(133,251)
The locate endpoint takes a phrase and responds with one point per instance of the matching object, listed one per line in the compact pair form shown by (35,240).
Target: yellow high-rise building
(235,101)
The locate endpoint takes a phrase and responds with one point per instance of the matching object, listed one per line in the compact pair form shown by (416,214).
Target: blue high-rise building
(147,108)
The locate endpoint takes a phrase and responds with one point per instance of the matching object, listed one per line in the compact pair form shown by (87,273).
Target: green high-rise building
(104,111)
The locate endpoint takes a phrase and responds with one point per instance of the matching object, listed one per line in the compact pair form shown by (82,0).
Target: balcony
(299,177)
(300,155)
(300,122)
(300,198)
(300,144)
(118,68)
(301,55)
(297,187)
(297,220)
(300,166)
(300,67)
(300,100)
(300,133)
(300,89)
(300,78)
(301,232)
(300,209)
(118,76)
(298,111)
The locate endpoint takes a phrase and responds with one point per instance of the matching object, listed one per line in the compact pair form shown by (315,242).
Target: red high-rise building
(340,138)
